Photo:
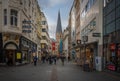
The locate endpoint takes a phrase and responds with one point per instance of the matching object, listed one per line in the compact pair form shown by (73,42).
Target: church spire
(59,27)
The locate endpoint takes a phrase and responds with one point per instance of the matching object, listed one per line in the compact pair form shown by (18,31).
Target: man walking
(35,60)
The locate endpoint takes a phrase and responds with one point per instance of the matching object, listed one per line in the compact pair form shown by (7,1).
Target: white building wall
(93,13)
(66,46)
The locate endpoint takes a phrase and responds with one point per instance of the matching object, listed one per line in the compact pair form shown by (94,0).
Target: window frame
(5,16)
(13,17)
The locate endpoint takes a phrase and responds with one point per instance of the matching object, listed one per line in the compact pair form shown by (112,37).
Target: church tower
(58,33)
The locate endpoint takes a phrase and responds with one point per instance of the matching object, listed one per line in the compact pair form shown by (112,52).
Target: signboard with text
(53,46)
(26,27)
(96,34)
(18,55)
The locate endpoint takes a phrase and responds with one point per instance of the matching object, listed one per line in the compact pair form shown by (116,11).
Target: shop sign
(18,55)
(53,46)
(26,28)
(96,34)
(111,67)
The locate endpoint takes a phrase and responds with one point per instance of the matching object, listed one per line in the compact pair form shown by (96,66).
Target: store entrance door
(10,57)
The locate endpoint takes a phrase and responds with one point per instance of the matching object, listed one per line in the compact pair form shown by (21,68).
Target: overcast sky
(51,8)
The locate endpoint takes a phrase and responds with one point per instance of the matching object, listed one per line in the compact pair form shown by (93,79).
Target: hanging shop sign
(53,46)
(26,27)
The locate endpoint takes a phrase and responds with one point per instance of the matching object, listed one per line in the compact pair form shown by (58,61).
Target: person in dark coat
(54,58)
(62,59)
(50,59)
(35,60)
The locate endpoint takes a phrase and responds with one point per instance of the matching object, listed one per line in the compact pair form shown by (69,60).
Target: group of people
(49,59)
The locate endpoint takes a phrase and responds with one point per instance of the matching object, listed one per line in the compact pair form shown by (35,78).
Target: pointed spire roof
(59,27)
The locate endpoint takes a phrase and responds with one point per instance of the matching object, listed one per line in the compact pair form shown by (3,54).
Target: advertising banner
(18,55)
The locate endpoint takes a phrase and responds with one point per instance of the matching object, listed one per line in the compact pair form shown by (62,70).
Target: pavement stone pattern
(58,72)
(54,76)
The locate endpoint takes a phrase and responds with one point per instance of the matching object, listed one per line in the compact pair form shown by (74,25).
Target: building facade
(91,33)
(69,36)
(72,33)
(53,47)
(18,31)
(45,36)
(77,30)
(39,30)
(111,32)
(65,42)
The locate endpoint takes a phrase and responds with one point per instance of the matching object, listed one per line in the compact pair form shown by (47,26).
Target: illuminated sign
(18,55)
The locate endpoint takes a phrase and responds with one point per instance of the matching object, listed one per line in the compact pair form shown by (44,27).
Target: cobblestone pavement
(58,72)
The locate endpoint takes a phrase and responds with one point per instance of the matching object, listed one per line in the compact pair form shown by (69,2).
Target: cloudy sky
(51,8)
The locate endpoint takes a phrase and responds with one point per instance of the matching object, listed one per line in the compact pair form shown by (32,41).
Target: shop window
(43,30)
(118,12)
(110,6)
(43,22)
(110,17)
(118,58)
(104,30)
(118,24)
(110,27)
(44,37)
(117,2)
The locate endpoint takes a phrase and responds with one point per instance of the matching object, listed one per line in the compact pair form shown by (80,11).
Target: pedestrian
(50,59)
(62,59)
(35,60)
(68,58)
(54,58)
